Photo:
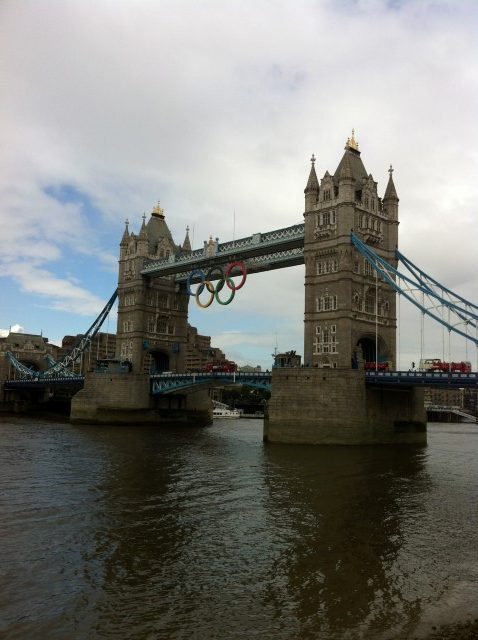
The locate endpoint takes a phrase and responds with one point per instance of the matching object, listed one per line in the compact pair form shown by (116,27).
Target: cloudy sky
(215,108)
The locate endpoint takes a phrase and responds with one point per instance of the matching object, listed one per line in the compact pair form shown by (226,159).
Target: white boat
(222,412)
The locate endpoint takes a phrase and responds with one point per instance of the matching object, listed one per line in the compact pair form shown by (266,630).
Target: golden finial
(351,142)
(158,210)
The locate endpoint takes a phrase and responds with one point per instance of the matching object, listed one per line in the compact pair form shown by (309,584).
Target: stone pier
(124,398)
(335,406)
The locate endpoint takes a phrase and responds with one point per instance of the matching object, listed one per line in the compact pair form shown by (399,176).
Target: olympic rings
(223,277)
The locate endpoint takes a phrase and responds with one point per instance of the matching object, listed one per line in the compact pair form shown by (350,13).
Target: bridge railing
(170,382)
(431,378)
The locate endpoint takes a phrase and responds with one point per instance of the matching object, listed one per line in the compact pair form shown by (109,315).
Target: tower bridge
(348,244)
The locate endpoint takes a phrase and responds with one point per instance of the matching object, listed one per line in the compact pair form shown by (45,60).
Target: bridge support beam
(335,406)
(124,398)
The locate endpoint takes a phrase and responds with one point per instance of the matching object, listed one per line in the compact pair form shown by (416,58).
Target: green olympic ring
(231,296)
(224,278)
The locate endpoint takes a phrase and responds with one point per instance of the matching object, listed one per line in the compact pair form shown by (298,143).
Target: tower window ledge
(326,231)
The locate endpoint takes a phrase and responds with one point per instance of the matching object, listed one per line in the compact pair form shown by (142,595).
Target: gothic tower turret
(312,188)
(349,313)
(152,314)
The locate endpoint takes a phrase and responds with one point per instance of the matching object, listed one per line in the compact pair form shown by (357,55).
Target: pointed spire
(312,183)
(390,191)
(125,237)
(187,243)
(143,232)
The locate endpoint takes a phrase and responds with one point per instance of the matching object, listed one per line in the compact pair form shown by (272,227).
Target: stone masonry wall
(334,406)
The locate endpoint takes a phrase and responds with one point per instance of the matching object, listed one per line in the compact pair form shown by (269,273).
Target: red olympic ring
(227,275)
(224,278)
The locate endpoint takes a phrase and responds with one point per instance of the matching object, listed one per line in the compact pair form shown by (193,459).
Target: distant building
(102,347)
(30,349)
(250,369)
(199,350)
(466,399)
(287,359)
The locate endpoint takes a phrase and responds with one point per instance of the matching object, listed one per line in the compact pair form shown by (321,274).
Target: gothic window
(370,303)
(326,194)
(366,201)
(368,269)
(163,300)
(373,204)
(326,303)
(161,325)
(327,266)
(151,323)
(325,340)
(356,265)
(333,218)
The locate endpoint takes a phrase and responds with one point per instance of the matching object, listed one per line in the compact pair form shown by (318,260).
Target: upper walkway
(263,252)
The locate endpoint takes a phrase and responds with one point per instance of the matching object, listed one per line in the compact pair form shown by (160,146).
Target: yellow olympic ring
(210,287)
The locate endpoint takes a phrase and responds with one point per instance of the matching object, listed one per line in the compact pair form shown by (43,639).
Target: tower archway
(159,361)
(368,345)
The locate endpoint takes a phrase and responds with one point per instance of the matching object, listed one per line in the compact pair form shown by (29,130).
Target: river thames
(144,533)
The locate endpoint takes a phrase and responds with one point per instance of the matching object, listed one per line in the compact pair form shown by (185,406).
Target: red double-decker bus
(224,366)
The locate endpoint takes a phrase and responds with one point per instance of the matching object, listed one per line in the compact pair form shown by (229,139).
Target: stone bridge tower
(152,313)
(349,317)
(349,312)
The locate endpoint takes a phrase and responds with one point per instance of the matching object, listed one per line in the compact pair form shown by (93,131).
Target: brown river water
(208,533)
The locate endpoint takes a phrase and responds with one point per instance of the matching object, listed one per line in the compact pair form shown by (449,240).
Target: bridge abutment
(336,406)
